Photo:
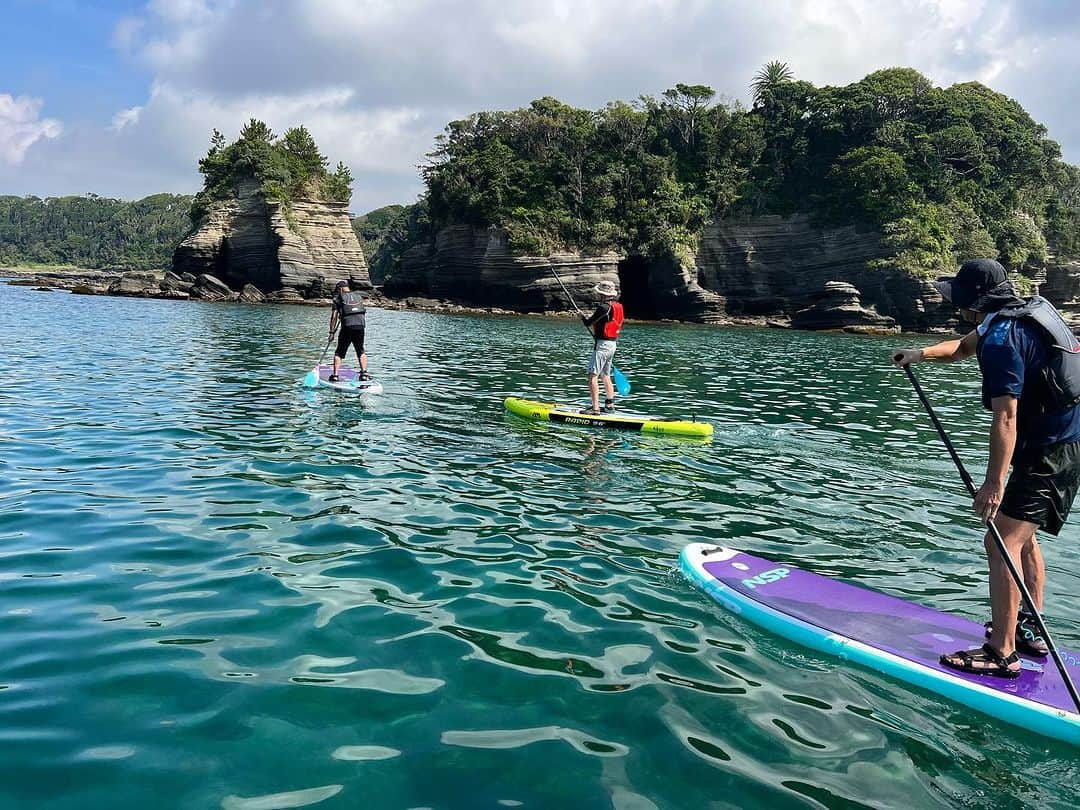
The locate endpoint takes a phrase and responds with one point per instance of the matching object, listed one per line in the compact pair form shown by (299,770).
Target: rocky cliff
(476,266)
(771,265)
(756,268)
(249,240)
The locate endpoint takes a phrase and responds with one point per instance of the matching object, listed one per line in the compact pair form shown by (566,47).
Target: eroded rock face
(772,266)
(247,240)
(1062,289)
(837,306)
(476,267)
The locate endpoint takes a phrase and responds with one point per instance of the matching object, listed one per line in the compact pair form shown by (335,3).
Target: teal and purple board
(898,638)
(347,381)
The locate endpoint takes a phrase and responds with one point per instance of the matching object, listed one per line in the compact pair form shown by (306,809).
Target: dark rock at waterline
(135,284)
(90,289)
(172,295)
(837,306)
(251,295)
(171,281)
(211,288)
(285,296)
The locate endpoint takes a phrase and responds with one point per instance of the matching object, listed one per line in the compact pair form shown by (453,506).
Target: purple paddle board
(891,635)
(347,381)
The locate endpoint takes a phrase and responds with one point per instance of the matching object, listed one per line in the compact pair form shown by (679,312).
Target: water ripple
(224,590)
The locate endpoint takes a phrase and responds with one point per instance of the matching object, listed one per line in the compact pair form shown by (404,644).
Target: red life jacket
(612,327)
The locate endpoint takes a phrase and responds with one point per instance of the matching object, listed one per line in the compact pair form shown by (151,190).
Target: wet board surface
(619,419)
(347,381)
(892,635)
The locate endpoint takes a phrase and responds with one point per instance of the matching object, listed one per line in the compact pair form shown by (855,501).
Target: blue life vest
(1057,386)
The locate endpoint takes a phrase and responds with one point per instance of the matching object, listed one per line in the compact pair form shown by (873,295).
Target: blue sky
(118,97)
(59,50)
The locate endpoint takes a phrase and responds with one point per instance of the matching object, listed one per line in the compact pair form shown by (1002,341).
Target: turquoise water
(221,590)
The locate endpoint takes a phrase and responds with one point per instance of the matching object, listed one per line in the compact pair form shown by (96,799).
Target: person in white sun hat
(605,323)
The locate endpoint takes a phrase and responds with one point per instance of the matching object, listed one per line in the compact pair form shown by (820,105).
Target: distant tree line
(92,231)
(943,172)
(287,168)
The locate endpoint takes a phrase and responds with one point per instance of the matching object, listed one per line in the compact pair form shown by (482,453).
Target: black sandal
(333,378)
(973,661)
(1029,640)
(590,411)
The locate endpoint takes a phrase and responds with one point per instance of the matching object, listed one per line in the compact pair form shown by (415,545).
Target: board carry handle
(998,541)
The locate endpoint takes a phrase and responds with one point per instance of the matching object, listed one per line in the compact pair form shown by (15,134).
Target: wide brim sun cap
(979,285)
(605,289)
(341,285)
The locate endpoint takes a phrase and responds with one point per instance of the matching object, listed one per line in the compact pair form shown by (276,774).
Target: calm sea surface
(218,589)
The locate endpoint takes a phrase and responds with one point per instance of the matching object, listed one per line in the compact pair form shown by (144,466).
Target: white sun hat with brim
(605,289)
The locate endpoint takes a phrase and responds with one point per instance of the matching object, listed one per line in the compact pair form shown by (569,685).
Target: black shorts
(1042,485)
(350,336)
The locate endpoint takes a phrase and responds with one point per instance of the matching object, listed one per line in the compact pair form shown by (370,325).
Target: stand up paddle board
(347,382)
(619,420)
(895,637)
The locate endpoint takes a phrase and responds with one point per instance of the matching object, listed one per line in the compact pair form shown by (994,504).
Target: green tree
(769,79)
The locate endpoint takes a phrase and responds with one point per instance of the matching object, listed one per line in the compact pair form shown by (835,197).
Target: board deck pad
(913,632)
(346,380)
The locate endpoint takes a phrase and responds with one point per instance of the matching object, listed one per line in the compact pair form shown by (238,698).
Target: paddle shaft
(1017,578)
(327,348)
(573,303)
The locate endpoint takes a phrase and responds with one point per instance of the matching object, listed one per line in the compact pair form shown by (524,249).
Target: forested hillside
(944,172)
(92,231)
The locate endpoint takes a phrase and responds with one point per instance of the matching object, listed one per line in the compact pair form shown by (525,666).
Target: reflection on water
(222,589)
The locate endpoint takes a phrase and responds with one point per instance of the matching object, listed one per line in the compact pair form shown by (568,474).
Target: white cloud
(126,118)
(21,127)
(375,81)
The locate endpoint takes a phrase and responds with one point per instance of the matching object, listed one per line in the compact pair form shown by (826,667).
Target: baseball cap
(341,284)
(975,285)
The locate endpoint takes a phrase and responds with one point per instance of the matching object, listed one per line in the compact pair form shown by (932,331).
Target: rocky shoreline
(836,309)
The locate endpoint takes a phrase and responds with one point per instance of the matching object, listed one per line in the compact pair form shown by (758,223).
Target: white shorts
(602,358)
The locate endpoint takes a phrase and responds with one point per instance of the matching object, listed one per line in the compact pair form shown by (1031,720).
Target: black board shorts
(1043,485)
(355,337)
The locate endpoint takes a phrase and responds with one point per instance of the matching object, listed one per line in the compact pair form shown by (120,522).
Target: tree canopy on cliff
(92,231)
(944,172)
(287,168)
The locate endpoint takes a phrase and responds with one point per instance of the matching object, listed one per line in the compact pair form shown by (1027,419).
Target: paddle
(1019,580)
(311,379)
(622,385)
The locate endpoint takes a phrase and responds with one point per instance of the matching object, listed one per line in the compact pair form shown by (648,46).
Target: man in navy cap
(1030,364)
(349,308)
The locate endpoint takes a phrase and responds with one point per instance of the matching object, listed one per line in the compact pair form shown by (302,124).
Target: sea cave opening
(635,294)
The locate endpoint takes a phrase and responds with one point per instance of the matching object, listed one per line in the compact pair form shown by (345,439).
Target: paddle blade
(311,379)
(622,385)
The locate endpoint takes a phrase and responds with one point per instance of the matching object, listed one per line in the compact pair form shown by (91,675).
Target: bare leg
(609,389)
(363,361)
(1034,572)
(594,390)
(1019,537)
(337,364)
